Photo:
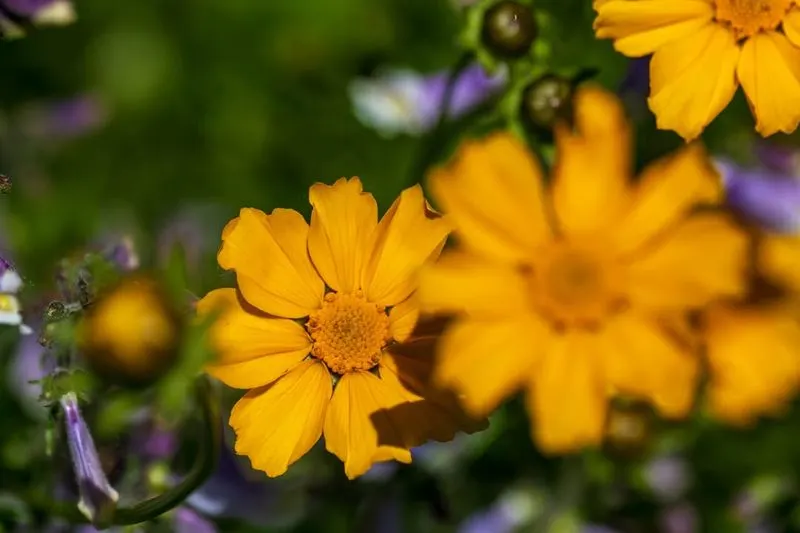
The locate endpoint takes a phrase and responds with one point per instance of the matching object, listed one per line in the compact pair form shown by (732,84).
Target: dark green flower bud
(55,311)
(509,29)
(547,100)
(629,428)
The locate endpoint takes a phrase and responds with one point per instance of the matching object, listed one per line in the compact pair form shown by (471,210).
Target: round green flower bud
(509,29)
(547,100)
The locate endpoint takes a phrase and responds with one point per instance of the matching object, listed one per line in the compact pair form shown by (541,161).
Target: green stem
(434,141)
(154,507)
(568,491)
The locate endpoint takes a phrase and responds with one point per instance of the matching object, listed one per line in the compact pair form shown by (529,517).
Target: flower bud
(97,497)
(131,332)
(509,29)
(545,101)
(5,184)
(628,428)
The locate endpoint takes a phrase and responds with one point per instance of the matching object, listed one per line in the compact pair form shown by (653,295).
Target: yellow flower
(572,294)
(315,326)
(704,49)
(753,347)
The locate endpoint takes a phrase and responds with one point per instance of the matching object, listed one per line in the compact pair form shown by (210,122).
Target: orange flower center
(349,333)
(749,17)
(576,284)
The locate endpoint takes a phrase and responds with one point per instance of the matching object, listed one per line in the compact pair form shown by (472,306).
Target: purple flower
(681,518)
(186,520)
(44,12)
(511,511)
(62,119)
(195,230)
(403,101)
(766,197)
(97,496)
(229,493)
(27,368)
(668,477)
(637,78)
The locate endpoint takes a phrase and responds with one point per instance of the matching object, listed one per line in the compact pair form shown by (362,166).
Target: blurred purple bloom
(681,518)
(637,79)
(512,510)
(97,496)
(63,119)
(768,198)
(403,101)
(122,253)
(229,494)
(186,520)
(778,158)
(668,477)
(30,365)
(196,230)
(42,12)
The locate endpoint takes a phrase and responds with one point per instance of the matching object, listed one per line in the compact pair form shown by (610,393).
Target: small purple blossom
(512,510)
(97,496)
(766,197)
(403,101)
(185,520)
(681,518)
(63,119)
(668,477)
(42,12)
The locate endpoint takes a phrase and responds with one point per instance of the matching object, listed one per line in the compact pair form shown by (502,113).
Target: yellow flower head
(753,347)
(572,293)
(132,332)
(704,49)
(316,325)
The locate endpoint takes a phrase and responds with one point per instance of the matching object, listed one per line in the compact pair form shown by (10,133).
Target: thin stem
(154,507)
(433,142)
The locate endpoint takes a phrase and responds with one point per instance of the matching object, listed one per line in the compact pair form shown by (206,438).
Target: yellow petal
(693,79)
(276,425)
(668,189)
(754,361)
(593,163)
(791,26)
(779,260)
(641,28)
(465,283)
(253,349)
(641,360)
(567,398)
(408,235)
(701,260)
(351,432)
(268,253)
(769,72)
(488,361)
(493,193)
(403,319)
(342,223)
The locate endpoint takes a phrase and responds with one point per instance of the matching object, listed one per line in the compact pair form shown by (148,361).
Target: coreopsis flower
(403,101)
(313,327)
(743,384)
(577,291)
(704,49)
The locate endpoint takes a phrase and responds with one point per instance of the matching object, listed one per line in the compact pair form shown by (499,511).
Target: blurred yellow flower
(315,326)
(571,294)
(704,49)
(131,333)
(753,347)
